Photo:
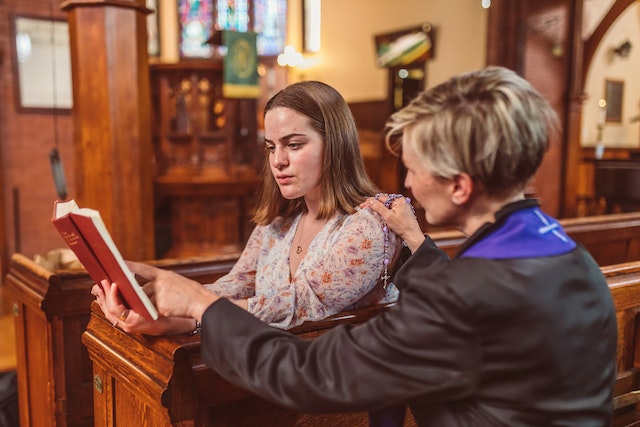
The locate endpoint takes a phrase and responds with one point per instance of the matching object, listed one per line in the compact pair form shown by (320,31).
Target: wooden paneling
(208,216)
(162,380)
(503,34)
(371,115)
(53,308)
(54,374)
(51,312)
(538,40)
(206,161)
(4,247)
(383,167)
(624,283)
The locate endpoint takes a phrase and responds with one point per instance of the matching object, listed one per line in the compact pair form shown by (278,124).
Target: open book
(88,237)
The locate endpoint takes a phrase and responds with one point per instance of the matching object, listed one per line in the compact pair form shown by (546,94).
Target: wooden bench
(163,378)
(52,310)
(624,282)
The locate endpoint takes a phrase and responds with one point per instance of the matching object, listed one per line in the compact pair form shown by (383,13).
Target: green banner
(240,65)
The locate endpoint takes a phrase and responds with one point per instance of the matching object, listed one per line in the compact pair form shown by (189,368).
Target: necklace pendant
(299,249)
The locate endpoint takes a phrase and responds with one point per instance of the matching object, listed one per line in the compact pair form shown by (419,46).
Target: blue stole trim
(527,233)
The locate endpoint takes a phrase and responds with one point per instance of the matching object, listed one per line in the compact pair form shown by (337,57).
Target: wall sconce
(623,50)
(557,50)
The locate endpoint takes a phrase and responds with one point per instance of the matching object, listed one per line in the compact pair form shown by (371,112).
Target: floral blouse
(341,269)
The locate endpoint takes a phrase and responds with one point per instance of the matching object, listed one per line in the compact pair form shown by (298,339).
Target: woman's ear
(463,187)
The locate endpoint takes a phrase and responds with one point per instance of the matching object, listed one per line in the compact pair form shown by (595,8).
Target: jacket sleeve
(425,345)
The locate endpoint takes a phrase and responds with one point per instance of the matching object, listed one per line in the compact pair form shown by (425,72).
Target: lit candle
(602,118)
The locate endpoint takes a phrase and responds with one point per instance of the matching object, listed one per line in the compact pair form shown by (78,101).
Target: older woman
(519,329)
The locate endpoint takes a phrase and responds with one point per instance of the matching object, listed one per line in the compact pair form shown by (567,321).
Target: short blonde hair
(344,183)
(490,124)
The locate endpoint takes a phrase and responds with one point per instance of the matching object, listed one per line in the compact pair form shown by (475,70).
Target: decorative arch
(591,44)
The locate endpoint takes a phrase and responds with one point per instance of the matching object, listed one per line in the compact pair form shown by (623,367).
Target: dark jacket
(519,329)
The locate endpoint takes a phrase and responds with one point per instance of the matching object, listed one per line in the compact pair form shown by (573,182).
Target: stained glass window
(270,24)
(233,15)
(196,19)
(196,24)
(153,46)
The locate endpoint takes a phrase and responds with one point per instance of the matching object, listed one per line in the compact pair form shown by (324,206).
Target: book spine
(129,288)
(80,248)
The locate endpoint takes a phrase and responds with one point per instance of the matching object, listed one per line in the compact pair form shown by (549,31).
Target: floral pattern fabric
(341,269)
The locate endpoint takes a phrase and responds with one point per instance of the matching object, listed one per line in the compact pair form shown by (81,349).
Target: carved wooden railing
(140,378)
(52,310)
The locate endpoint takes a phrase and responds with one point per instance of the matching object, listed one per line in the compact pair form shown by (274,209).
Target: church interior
(123,106)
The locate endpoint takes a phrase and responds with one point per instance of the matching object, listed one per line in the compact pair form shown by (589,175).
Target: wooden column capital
(131,4)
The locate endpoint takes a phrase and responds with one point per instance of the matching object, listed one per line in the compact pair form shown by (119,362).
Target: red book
(88,237)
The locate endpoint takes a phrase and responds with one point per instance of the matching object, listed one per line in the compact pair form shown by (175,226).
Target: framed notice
(43,64)
(404,47)
(613,90)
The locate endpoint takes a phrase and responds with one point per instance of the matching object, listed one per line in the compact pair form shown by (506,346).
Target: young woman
(314,252)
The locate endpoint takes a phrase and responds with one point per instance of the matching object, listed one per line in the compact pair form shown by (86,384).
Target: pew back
(136,376)
(52,311)
(624,283)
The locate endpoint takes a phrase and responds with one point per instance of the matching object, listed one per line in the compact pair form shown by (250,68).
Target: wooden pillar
(574,113)
(112,118)
(582,55)
(4,247)
(504,34)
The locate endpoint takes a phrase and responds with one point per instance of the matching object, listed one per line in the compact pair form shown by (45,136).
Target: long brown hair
(344,182)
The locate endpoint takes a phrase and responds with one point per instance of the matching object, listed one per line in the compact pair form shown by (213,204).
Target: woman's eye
(294,145)
(270,148)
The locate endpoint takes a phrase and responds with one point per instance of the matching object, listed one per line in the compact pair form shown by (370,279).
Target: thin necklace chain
(299,247)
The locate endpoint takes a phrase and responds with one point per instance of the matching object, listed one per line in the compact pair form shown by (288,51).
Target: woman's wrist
(414,241)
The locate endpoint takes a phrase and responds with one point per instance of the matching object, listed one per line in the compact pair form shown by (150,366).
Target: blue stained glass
(196,23)
(233,15)
(270,24)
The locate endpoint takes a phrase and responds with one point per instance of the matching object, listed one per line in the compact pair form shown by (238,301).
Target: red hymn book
(88,237)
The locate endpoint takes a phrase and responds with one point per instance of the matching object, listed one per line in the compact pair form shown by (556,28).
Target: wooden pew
(52,311)
(163,382)
(624,282)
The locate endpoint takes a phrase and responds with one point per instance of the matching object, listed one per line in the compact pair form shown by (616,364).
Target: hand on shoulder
(397,212)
